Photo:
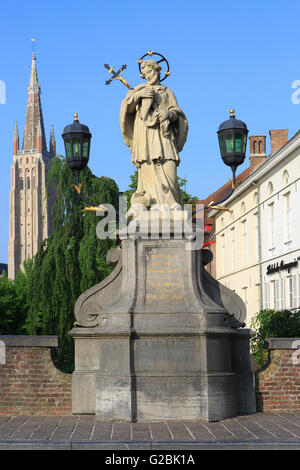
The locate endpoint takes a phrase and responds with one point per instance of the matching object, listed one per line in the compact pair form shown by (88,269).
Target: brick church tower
(29,211)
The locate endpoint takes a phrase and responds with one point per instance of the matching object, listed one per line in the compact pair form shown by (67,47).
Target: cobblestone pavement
(259,430)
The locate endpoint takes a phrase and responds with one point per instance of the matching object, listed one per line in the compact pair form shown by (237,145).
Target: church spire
(52,142)
(16,139)
(34,115)
(33,84)
(30,201)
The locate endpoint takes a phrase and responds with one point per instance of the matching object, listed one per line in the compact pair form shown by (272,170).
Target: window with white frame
(245,296)
(277,295)
(272,295)
(285,177)
(257,288)
(282,294)
(244,242)
(295,291)
(223,252)
(256,227)
(287,216)
(270,188)
(271,226)
(232,234)
(289,292)
(266,295)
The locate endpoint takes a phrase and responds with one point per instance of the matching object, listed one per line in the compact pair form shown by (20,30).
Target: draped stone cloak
(155,145)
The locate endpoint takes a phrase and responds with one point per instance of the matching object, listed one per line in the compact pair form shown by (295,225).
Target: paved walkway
(256,431)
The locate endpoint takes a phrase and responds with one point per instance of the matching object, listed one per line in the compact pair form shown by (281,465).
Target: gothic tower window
(270,188)
(285,177)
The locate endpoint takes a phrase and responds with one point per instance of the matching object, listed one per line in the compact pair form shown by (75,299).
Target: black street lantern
(232,136)
(77,139)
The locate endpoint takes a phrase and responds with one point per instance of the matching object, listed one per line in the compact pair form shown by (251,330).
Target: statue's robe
(155,145)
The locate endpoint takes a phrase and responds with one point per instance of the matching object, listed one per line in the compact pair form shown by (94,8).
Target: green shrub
(272,324)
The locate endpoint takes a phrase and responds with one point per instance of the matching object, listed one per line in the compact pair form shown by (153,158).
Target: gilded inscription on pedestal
(163,276)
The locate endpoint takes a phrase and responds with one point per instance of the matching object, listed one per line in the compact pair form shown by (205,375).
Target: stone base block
(159,339)
(165,378)
(157,398)
(83,392)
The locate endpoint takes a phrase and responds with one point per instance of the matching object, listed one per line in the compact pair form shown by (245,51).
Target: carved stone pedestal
(159,339)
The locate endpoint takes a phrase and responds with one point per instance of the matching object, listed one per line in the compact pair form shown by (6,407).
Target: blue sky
(222,54)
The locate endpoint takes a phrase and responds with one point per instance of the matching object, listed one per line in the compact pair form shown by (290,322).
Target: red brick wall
(278,385)
(255,162)
(257,144)
(30,384)
(279,137)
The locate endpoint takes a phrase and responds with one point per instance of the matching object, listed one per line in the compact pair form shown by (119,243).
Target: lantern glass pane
(238,143)
(68,148)
(76,147)
(244,143)
(222,144)
(85,147)
(229,143)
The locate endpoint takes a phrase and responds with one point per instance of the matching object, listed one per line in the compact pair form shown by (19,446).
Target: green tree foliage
(131,188)
(186,197)
(9,311)
(272,324)
(13,302)
(71,260)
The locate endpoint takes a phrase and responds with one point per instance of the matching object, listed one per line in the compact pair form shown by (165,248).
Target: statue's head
(151,71)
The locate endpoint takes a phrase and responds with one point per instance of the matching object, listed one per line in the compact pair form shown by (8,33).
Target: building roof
(222,192)
(274,159)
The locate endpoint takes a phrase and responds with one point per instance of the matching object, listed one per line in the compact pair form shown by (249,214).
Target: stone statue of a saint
(155,129)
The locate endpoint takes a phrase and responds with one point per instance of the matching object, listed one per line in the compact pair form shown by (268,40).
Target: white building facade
(280,196)
(258,239)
